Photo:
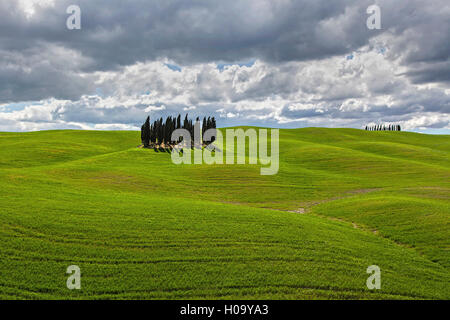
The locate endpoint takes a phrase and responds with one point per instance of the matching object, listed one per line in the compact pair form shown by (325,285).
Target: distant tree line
(160,131)
(383,127)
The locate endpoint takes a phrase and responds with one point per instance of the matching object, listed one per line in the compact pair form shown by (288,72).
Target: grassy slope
(142,227)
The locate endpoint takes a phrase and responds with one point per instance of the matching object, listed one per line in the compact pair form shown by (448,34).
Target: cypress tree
(146,134)
(191,130)
(203,127)
(175,124)
(186,123)
(159,132)
(167,130)
(171,128)
(213,126)
(155,132)
(172,124)
(151,133)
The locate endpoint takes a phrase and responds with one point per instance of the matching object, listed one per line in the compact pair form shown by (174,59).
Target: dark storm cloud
(432,72)
(199,31)
(117,33)
(41,72)
(40,58)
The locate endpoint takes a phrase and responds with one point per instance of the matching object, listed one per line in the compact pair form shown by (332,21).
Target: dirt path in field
(348,194)
(308,205)
(306,208)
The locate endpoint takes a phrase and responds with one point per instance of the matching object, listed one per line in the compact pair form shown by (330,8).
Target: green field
(140,227)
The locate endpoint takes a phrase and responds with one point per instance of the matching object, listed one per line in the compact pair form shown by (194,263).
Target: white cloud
(29,6)
(312,63)
(330,92)
(154,108)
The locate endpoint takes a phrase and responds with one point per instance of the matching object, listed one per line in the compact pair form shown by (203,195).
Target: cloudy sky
(280,63)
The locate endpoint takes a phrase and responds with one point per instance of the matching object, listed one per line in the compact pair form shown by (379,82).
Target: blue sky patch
(17,106)
(222,66)
(173,67)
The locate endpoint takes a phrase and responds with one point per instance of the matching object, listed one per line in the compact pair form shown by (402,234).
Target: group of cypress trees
(160,131)
(382,127)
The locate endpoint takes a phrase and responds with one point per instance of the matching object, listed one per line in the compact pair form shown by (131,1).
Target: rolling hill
(141,227)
